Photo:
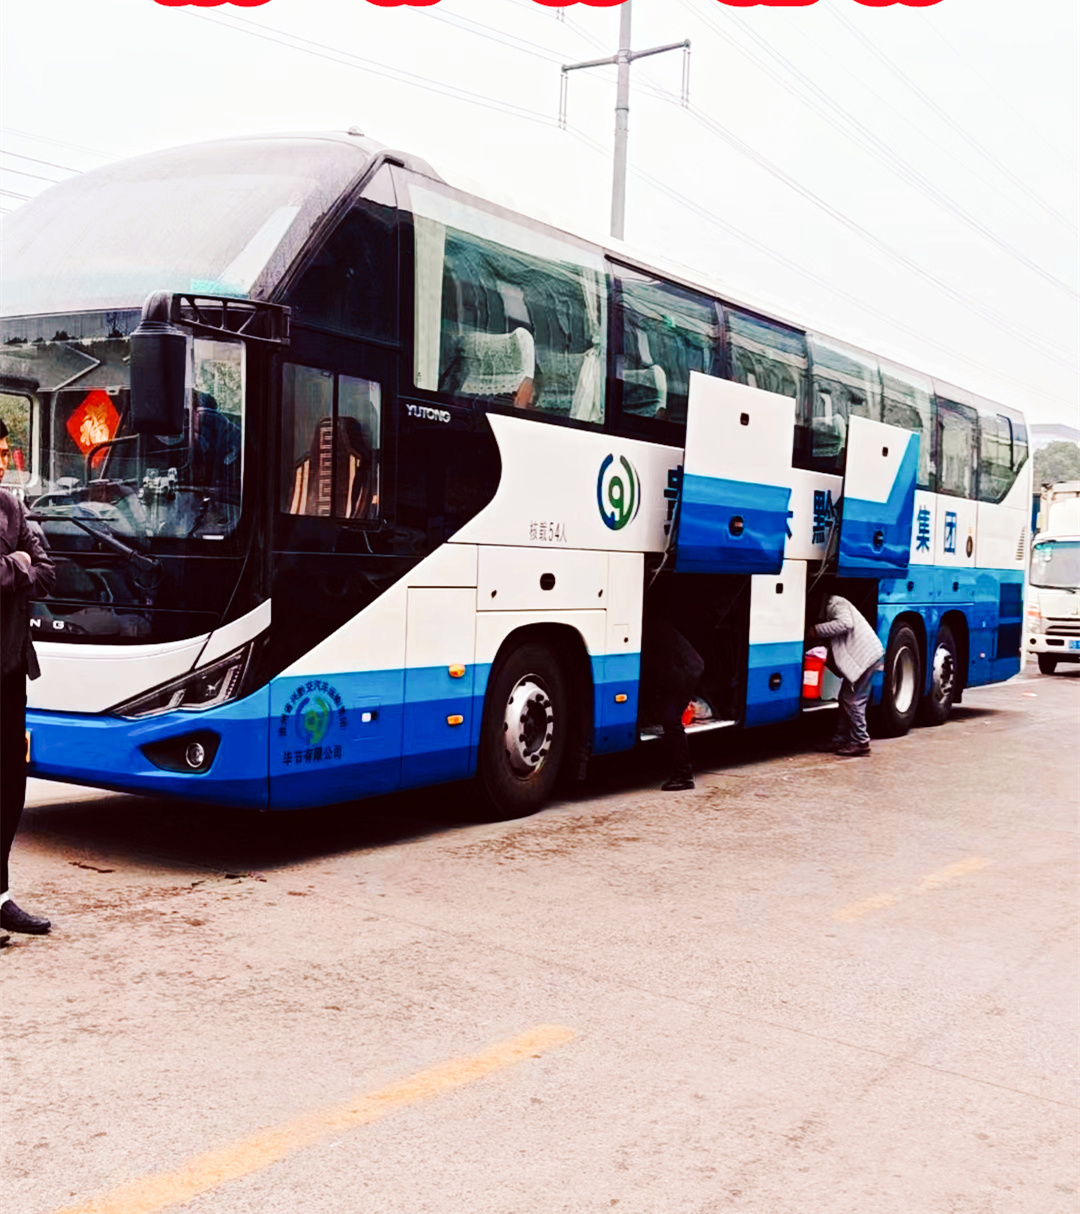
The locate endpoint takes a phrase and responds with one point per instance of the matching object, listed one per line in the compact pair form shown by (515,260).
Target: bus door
(878,500)
(734,509)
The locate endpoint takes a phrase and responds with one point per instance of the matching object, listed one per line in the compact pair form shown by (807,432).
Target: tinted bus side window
(330,444)
(664,332)
(766,355)
(1002,452)
(506,312)
(350,286)
(846,384)
(957,447)
(908,402)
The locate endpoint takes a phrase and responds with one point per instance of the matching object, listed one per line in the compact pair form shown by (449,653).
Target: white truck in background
(1052,617)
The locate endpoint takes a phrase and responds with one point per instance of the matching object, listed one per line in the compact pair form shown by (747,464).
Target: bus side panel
(777,624)
(440,677)
(618,673)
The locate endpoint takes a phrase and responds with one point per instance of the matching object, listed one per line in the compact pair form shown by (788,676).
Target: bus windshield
(213,220)
(1055,565)
(78,465)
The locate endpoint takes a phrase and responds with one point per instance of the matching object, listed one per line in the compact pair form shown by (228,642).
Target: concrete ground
(810,986)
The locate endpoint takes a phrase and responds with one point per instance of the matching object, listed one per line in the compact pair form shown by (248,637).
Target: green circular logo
(618,492)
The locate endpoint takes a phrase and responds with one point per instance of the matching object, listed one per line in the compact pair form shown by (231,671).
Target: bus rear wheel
(944,672)
(903,681)
(1047,663)
(524,732)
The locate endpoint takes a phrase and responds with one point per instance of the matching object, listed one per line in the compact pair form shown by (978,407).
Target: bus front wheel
(524,732)
(944,672)
(903,682)
(1047,663)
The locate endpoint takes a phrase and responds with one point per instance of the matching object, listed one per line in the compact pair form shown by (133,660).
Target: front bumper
(1064,648)
(111,752)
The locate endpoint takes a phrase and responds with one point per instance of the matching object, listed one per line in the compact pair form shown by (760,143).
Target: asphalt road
(811,986)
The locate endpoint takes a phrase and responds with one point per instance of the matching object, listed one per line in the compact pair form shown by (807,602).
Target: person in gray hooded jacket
(855,653)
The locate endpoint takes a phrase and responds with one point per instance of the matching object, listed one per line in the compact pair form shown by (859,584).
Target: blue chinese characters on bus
(950,531)
(313,716)
(922,535)
(824,514)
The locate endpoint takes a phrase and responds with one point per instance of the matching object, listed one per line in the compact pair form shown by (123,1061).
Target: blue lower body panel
(107,752)
(989,602)
(774,682)
(615,723)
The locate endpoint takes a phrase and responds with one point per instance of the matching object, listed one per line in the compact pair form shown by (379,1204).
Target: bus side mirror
(159,362)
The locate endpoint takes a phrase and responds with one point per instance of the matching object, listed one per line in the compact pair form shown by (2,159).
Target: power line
(943,114)
(347,59)
(1000,97)
(60,143)
(34,160)
(825,283)
(877,147)
(24,173)
(12,194)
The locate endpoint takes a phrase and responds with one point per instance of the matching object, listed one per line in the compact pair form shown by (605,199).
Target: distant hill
(1043,436)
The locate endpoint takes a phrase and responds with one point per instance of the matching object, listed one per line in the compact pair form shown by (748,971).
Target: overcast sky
(902,177)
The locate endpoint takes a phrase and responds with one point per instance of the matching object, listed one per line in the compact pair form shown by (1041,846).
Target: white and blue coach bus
(357,482)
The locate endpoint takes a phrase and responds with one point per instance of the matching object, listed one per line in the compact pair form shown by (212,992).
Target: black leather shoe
(677,784)
(853,750)
(14,919)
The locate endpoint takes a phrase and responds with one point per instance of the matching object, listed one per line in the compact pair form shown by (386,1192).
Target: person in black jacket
(25,573)
(671,669)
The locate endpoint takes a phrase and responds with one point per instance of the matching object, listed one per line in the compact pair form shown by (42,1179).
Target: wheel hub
(944,673)
(528,725)
(903,680)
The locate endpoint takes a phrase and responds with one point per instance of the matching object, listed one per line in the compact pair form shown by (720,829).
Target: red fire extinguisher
(813,669)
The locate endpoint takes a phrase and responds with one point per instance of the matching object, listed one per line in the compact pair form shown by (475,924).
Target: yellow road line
(961,869)
(206,1172)
(878,902)
(927,885)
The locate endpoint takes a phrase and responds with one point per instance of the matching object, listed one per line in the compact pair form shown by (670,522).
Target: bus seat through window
(497,364)
(313,477)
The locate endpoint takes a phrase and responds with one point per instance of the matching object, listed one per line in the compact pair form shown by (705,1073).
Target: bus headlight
(207,687)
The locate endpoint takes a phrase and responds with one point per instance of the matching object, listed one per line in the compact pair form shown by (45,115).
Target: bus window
(16,412)
(351,284)
(907,402)
(846,384)
(769,356)
(666,332)
(330,445)
(1002,452)
(506,312)
(957,430)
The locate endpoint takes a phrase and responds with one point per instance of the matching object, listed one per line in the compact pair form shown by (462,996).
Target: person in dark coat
(25,573)
(671,669)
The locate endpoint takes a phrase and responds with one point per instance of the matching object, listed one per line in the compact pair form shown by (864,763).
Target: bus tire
(903,679)
(1047,663)
(524,733)
(944,675)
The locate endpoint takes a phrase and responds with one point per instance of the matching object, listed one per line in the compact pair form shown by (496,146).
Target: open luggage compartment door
(736,489)
(879,500)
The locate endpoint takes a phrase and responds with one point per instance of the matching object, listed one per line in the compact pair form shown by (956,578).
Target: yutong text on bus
(356,482)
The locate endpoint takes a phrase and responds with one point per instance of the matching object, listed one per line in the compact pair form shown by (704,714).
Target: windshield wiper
(146,570)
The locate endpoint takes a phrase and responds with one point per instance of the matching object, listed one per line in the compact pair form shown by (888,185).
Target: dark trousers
(854,698)
(12,763)
(671,671)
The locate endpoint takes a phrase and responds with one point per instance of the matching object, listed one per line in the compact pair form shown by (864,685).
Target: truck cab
(1052,616)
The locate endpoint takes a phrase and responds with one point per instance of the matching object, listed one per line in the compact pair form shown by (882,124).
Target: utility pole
(622,61)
